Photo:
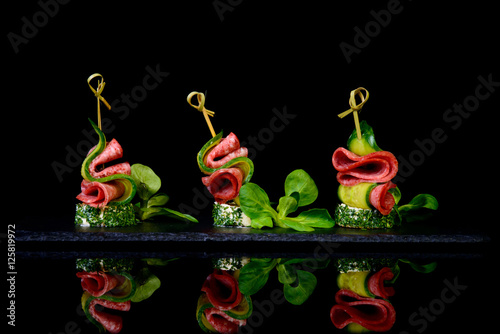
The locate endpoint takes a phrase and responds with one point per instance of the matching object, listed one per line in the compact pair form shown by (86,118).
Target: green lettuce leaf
(254,202)
(418,208)
(148,183)
(152,204)
(300,182)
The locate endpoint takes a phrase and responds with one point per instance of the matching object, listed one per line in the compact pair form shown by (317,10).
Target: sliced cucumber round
(243,310)
(356,281)
(357,196)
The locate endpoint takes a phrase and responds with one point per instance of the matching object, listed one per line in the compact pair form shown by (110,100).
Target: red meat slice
(373,314)
(222,322)
(228,149)
(381,199)
(376,283)
(222,290)
(112,151)
(99,194)
(97,283)
(352,169)
(224,184)
(111,322)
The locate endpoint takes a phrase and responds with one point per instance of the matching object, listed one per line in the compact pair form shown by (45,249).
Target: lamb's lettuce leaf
(418,208)
(151,203)
(300,190)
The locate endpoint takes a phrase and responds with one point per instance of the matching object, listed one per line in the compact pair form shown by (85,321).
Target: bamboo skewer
(355,108)
(97,92)
(201,108)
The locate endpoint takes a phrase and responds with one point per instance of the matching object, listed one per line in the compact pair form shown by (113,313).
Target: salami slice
(99,194)
(111,322)
(381,199)
(222,322)
(376,283)
(373,314)
(97,283)
(228,149)
(222,290)
(380,166)
(224,184)
(112,151)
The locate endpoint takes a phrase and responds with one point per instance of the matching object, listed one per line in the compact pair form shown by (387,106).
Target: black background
(250,59)
(254,58)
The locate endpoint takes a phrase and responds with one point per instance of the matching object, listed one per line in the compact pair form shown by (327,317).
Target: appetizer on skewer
(106,192)
(369,198)
(366,191)
(227,167)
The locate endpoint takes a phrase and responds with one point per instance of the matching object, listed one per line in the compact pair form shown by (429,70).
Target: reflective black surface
(456,295)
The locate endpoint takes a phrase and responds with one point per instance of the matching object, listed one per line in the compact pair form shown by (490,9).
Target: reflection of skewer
(201,107)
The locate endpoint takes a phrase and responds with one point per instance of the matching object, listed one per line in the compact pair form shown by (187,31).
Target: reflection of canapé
(222,308)
(109,285)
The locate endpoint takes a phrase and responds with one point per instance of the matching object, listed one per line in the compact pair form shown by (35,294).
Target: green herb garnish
(152,203)
(300,190)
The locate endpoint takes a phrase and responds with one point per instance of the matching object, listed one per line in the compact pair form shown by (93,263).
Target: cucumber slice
(357,196)
(126,180)
(366,144)
(245,164)
(356,328)
(124,292)
(85,300)
(203,153)
(243,310)
(203,304)
(356,281)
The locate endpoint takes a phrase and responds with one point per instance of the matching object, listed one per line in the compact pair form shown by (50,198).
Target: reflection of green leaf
(287,274)
(254,275)
(158,261)
(148,283)
(421,268)
(304,286)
